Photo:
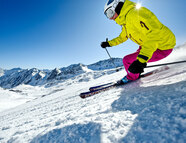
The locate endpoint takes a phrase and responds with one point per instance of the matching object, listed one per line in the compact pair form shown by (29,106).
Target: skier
(155,40)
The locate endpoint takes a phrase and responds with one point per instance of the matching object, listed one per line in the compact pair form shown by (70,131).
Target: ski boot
(123,81)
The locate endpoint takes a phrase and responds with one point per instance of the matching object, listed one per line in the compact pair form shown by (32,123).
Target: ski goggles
(109,13)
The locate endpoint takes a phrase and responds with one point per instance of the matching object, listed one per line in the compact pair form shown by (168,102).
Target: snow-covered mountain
(1,72)
(106,64)
(152,109)
(14,77)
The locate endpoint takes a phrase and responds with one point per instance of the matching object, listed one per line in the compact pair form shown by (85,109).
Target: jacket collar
(128,5)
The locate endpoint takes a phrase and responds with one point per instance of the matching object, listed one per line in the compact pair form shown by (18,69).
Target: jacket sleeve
(120,39)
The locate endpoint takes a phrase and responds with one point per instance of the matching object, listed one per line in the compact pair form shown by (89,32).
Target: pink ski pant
(129,59)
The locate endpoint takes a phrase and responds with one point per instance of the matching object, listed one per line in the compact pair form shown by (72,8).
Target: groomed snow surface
(152,109)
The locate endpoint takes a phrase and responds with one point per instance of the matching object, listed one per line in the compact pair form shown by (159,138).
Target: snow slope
(152,109)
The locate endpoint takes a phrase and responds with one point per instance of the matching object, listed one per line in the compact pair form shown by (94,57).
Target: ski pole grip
(106,39)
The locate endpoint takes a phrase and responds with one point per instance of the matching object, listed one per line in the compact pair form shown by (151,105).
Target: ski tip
(85,94)
(82,95)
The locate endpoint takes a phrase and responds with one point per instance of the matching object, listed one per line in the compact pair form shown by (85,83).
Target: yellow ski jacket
(143,27)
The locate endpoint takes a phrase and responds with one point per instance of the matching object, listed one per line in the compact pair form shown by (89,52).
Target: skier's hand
(137,67)
(105,44)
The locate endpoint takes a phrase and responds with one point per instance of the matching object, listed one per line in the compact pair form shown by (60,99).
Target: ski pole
(166,64)
(111,57)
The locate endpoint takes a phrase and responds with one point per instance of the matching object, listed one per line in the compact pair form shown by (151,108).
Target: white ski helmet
(110,6)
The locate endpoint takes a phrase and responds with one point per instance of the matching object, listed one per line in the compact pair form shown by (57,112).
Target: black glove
(105,44)
(137,67)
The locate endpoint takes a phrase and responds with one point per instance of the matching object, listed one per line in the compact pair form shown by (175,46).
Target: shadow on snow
(161,113)
(76,133)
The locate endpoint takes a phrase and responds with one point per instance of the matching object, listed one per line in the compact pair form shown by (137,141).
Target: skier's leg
(127,61)
(159,55)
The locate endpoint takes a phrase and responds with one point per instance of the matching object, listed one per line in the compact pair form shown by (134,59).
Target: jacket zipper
(130,36)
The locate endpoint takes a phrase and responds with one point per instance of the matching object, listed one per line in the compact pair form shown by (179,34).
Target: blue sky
(55,33)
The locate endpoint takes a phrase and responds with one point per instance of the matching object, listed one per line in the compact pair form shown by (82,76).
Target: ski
(100,86)
(91,93)
(104,87)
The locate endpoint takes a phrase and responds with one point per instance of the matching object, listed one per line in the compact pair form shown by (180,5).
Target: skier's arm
(120,39)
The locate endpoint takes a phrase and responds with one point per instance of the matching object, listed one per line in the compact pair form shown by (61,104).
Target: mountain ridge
(17,76)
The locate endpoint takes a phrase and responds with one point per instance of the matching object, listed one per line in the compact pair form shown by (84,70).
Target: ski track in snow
(152,109)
